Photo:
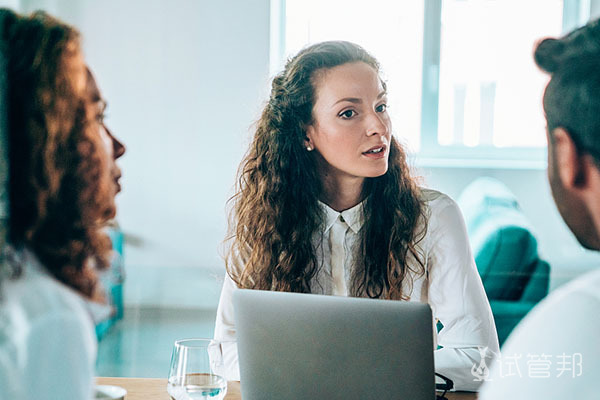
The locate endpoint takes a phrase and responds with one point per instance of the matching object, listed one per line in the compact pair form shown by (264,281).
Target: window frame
(575,13)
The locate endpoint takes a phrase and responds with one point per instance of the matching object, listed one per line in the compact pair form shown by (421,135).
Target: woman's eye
(348,114)
(381,108)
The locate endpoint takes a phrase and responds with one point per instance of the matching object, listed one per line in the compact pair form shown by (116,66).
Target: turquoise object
(505,251)
(112,282)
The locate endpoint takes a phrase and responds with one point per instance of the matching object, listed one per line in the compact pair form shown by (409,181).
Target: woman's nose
(118,146)
(377,125)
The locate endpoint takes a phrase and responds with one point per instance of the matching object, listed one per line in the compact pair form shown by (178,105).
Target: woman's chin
(375,173)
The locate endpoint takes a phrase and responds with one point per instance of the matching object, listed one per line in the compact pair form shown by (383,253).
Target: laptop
(307,346)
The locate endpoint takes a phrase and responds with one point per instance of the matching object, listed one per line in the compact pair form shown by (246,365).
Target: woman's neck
(342,193)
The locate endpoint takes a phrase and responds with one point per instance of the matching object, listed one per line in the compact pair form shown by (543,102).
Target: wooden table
(156,389)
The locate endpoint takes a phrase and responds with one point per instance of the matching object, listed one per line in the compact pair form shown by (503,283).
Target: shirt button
(342,218)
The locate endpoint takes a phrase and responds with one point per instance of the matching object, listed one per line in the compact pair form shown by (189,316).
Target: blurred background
(186,79)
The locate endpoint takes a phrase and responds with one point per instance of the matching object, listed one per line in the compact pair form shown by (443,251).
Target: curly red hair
(60,199)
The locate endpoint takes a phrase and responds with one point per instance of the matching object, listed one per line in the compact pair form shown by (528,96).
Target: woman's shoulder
(436,201)
(37,296)
(442,214)
(36,308)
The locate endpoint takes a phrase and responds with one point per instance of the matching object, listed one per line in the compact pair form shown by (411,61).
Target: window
(460,73)
(391,30)
(484,92)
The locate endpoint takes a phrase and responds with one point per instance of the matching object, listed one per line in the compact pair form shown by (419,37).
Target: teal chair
(505,251)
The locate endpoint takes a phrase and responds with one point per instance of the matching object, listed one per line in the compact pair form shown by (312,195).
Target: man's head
(572,108)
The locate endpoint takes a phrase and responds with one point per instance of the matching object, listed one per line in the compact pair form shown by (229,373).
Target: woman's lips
(376,152)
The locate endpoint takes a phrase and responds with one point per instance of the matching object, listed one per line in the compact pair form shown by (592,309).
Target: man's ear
(570,164)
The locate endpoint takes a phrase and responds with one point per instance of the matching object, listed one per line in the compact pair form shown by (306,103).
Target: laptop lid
(306,346)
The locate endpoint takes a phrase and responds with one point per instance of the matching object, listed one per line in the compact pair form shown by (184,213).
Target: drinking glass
(196,370)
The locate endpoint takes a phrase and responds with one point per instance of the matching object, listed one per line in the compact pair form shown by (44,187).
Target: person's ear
(308,139)
(570,164)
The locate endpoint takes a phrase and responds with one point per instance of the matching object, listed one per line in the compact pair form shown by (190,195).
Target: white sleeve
(457,298)
(60,360)
(225,330)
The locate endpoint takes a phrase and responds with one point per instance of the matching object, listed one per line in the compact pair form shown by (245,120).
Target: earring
(308,148)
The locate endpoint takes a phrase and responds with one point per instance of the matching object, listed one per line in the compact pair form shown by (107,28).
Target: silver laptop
(306,346)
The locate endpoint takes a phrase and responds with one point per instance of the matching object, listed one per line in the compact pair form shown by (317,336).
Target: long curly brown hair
(276,212)
(59,198)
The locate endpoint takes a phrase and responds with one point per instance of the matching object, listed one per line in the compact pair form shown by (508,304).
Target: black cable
(447,385)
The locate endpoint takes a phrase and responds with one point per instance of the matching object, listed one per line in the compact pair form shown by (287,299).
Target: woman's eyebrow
(356,100)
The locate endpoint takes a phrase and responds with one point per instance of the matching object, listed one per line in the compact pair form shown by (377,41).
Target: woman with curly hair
(325,204)
(58,183)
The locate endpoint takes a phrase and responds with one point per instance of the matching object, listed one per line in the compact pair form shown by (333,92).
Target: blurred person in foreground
(58,182)
(555,352)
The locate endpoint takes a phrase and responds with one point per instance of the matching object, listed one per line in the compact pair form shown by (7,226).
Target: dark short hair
(572,97)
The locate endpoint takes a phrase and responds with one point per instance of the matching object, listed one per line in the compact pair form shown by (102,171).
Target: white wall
(184,81)
(13,4)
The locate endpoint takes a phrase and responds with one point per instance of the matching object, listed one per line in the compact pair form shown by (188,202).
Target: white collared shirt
(451,285)
(48,344)
(336,244)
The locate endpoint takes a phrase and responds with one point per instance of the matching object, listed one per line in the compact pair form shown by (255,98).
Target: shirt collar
(353,216)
